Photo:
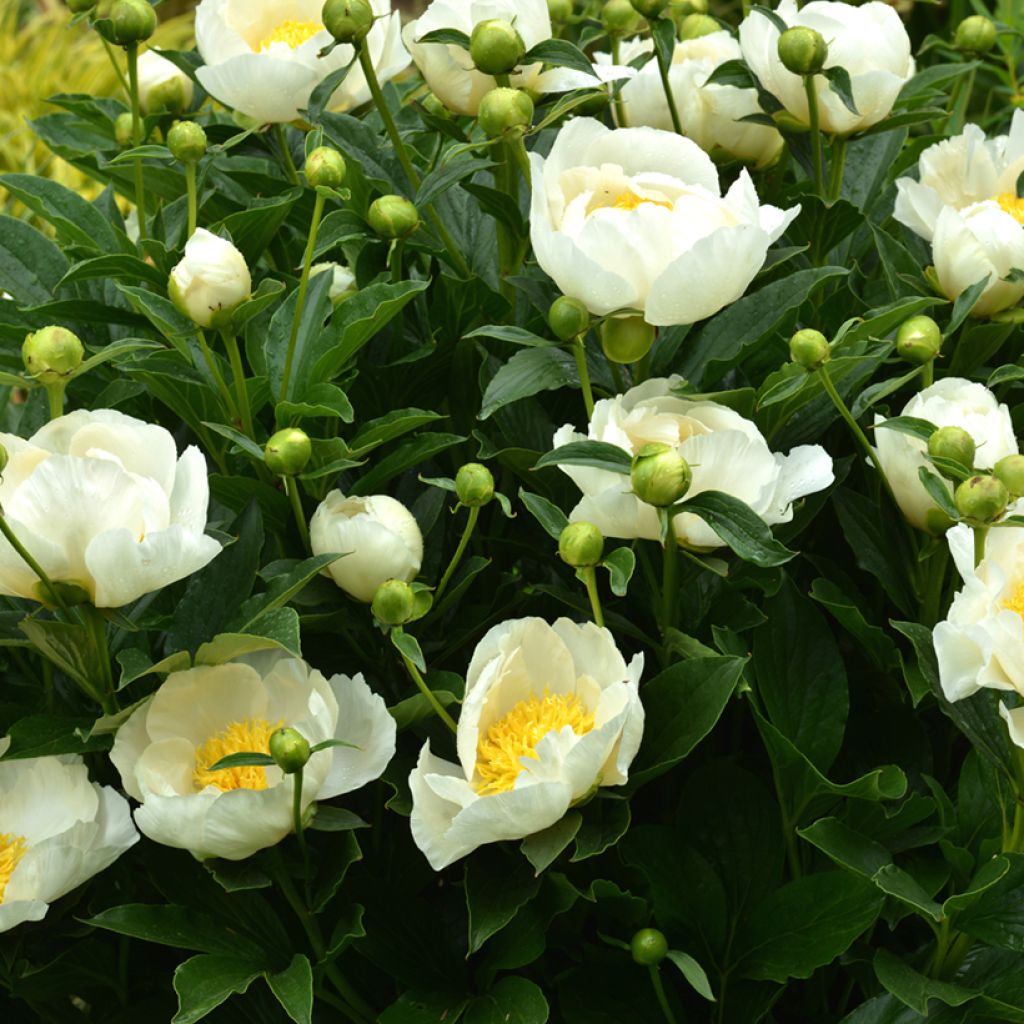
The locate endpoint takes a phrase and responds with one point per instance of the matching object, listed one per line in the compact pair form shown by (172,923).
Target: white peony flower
(261,55)
(633,218)
(960,172)
(979,240)
(550,713)
(869,41)
(951,402)
(449,70)
(725,451)
(57,830)
(102,500)
(162,85)
(212,278)
(197,717)
(377,536)
(343,281)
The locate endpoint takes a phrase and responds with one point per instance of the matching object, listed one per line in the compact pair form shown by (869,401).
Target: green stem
(659,991)
(670,572)
(620,105)
(395,260)
(241,394)
(193,203)
(980,533)
(55,397)
(663,69)
(291,486)
(931,611)
(48,588)
(429,694)
(132,53)
(837,164)
(589,574)
(117,68)
(300,300)
(579,350)
(104,689)
(467,532)
(300,833)
(928,374)
(286,154)
(218,377)
(963,101)
(812,114)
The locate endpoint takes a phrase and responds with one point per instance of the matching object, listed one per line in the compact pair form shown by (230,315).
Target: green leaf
(408,646)
(605,822)
(293,988)
(46,735)
(335,819)
(914,989)
(692,972)
(511,1000)
(206,981)
(277,629)
(939,491)
(527,373)
(912,426)
(839,82)
(408,455)
(450,36)
(281,590)
(563,54)
(178,926)
(996,916)
(549,515)
(394,424)
(734,73)
(243,759)
(31,266)
(742,529)
(596,454)
(620,564)
(119,266)
(965,302)
(510,333)
(496,888)
(542,848)
(445,175)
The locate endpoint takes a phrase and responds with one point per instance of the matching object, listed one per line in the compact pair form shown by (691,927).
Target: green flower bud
(581,545)
(288,451)
(618,17)
(802,50)
(325,166)
(52,353)
(649,947)
(953,444)
(918,340)
(1009,469)
(505,112)
(349,21)
(393,217)
(187,141)
(568,318)
(3,458)
(680,9)
(559,11)
(976,34)
(131,21)
(123,132)
(693,26)
(626,339)
(289,748)
(80,6)
(809,348)
(660,475)
(474,485)
(981,499)
(495,47)
(649,9)
(171,96)
(393,603)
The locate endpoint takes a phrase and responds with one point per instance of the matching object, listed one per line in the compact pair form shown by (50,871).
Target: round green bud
(52,353)
(172,96)
(649,947)
(131,21)
(626,339)
(1010,469)
(918,340)
(649,9)
(325,166)
(393,603)
(802,50)
(80,6)
(560,11)
(660,475)
(568,318)
(679,9)
(123,131)
(618,17)
(953,444)
(288,451)
(393,217)
(3,458)
(349,21)
(581,545)
(693,26)
(981,499)
(505,112)
(495,47)
(474,485)
(187,141)
(976,34)
(289,748)
(809,348)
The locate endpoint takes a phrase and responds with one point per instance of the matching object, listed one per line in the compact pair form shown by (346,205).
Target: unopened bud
(393,603)
(1010,470)
(559,11)
(680,9)
(809,348)
(325,166)
(918,340)
(618,17)
(504,112)
(981,499)
(626,339)
(660,476)
(802,50)
(693,26)
(568,318)
(52,353)
(187,141)
(349,21)
(393,217)
(495,47)
(976,34)
(289,748)
(649,947)
(953,444)
(288,451)
(474,485)
(581,545)
(123,131)
(649,9)
(131,21)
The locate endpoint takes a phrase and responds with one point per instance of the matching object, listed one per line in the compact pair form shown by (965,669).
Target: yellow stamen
(1013,205)
(292,33)
(1015,602)
(12,849)
(251,734)
(630,201)
(517,734)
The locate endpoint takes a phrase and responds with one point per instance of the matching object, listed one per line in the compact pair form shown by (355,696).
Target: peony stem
(579,350)
(117,67)
(467,532)
(218,378)
(300,833)
(48,588)
(659,991)
(429,694)
(241,394)
(286,154)
(670,573)
(300,300)
(132,53)
(193,203)
(663,69)
(97,627)
(837,164)
(291,486)
(589,574)
(812,113)
(980,534)
(620,106)
(55,398)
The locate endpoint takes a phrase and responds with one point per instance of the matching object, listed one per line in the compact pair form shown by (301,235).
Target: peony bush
(512,512)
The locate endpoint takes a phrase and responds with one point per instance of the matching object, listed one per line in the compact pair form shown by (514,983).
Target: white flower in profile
(57,830)
(726,452)
(343,281)
(165,751)
(550,713)
(103,501)
(210,280)
(162,85)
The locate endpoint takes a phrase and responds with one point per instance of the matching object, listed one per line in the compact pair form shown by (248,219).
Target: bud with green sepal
(495,47)
(393,217)
(619,18)
(694,26)
(131,21)
(680,10)
(981,500)
(659,475)
(649,9)
(976,34)
(474,485)
(560,11)
(325,166)
(568,318)
(349,21)
(626,339)
(394,603)
(288,451)
(648,947)
(123,132)
(918,340)
(809,348)
(52,354)
(581,545)
(289,749)
(505,112)
(1010,470)
(802,50)
(953,445)
(186,140)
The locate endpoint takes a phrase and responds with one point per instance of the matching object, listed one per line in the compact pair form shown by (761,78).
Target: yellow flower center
(12,849)
(292,33)
(630,201)
(517,734)
(1015,602)
(1013,205)
(249,735)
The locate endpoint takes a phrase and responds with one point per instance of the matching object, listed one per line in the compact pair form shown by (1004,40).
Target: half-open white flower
(166,750)
(210,280)
(634,218)
(870,42)
(162,85)
(343,280)
(261,55)
(102,500)
(962,171)
(57,830)
(726,452)
(550,713)
(950,402)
